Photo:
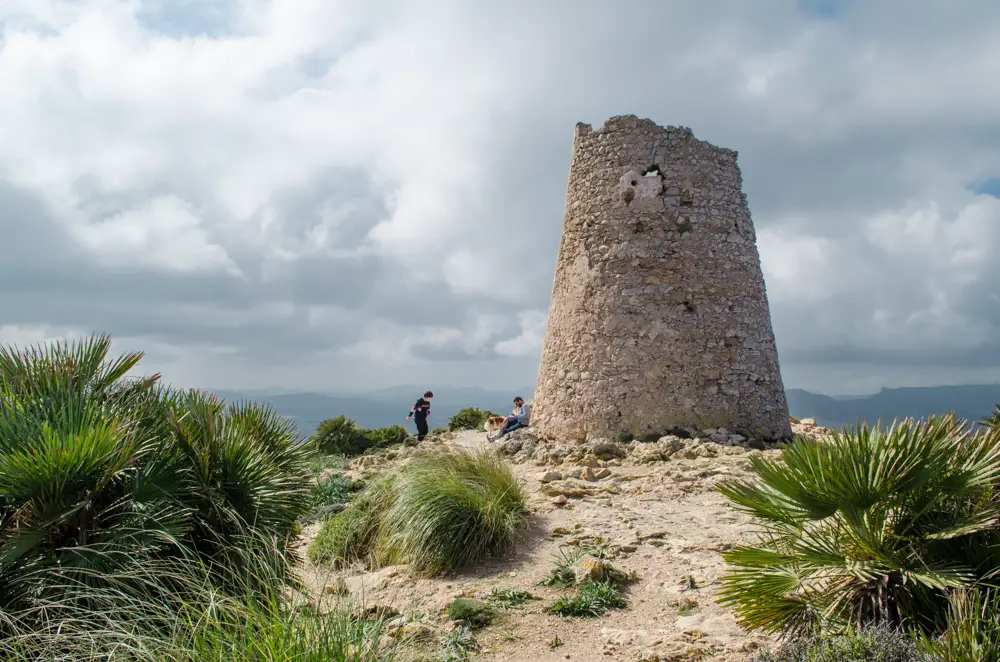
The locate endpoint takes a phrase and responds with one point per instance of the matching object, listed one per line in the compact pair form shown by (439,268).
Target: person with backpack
(419,413)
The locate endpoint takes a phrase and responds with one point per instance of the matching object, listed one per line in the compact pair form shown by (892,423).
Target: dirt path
(668,526)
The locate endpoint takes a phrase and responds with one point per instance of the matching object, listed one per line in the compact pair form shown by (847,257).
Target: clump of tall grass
(183,615)
(437,513)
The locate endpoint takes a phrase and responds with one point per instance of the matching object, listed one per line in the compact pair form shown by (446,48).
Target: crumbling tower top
(659,316)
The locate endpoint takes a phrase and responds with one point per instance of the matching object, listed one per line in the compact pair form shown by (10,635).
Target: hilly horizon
(389,406)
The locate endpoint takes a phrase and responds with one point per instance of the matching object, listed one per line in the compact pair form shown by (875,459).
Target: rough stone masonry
(658,317)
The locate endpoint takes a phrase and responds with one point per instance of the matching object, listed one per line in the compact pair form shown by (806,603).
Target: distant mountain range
(389,406)
(968,402)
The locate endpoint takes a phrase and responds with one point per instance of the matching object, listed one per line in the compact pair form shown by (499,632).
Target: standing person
(521,418)
(419,413)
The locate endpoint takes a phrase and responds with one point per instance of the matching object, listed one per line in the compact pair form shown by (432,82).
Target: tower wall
(658,316)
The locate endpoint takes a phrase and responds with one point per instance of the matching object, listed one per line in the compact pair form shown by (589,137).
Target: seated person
(520,419)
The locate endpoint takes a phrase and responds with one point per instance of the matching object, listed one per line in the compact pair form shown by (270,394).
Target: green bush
(469,419)
(476,613)
(383,437)
(876,645)
(102,476)
(437,513)
(342,436)
(874,526)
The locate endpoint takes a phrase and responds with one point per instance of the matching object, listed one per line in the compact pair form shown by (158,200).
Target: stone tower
(658,315)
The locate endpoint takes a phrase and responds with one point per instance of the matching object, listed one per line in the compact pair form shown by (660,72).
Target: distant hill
(379,408)
(969,402)
(389,406)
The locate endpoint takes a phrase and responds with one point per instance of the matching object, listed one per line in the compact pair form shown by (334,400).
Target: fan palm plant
(875,526)
(98,471)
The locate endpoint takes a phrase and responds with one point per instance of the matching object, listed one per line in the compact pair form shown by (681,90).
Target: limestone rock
(588,568)
(549,476)
(594,474)
(606,450)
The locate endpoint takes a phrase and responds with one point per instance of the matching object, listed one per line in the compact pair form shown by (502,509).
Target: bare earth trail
(663,519)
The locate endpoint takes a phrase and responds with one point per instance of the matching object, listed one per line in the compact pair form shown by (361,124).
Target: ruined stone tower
(659,315)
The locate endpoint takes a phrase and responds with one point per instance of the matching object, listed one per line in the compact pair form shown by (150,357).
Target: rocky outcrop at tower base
(658,316)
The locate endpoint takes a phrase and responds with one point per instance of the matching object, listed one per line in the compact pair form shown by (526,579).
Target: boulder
(588,568)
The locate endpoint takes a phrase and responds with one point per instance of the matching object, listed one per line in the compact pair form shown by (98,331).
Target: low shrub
(387,436)
(876,645)
(873,526)
(342,436)
(476,613)
(469,419)
(437,513)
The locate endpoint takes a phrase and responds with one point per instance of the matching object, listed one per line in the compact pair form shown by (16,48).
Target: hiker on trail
(419,413)
(521,418)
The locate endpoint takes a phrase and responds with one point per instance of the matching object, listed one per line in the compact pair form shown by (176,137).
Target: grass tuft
(438,513)
(509,597)
(457,646)
(592,600)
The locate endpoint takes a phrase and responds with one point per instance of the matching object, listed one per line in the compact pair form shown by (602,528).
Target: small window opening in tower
(653,171)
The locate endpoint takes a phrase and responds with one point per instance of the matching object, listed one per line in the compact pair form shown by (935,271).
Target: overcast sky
(338,196)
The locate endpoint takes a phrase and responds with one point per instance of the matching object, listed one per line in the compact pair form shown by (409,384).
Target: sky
(339,196)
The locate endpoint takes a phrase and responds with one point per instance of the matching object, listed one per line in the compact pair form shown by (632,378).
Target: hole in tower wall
(653,171)
(690,307)
(684,224)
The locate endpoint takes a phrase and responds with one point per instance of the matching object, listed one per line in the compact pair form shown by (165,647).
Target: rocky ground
(652,504)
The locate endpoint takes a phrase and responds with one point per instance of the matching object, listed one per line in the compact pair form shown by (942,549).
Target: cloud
(335,195)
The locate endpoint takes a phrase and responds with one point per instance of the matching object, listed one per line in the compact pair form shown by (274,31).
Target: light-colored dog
(493,425)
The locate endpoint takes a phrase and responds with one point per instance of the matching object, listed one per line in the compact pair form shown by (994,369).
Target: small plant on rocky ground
(469,419)
(877,645)
(555,643)
(439,513)
(591,600)
(872,526)
(596,594)
(562,574)
(476,614)
(458,645)
(509,597)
